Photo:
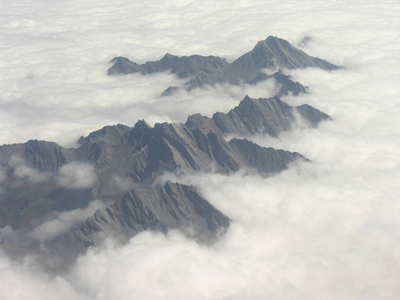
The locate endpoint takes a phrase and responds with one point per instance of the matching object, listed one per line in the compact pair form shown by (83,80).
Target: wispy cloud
(61,222)
(23,170)
(76,175)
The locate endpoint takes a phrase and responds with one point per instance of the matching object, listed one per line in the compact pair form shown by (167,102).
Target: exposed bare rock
(172,206)
(264,116)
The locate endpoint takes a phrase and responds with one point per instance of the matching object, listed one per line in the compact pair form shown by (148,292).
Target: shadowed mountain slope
(42,155)
(268,116)
(172,206)
(274,53)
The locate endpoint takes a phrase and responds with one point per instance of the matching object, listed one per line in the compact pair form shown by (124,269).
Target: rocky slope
(268,116)
(42,155)
(172,206)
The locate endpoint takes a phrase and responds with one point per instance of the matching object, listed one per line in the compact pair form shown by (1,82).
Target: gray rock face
(143,152)
(268,116)
(24,199)
(262,159)
(312,115)
(178,149)
(99,146)
(183,67)
(23,204)
(173,206)
(273,53)
(42,155)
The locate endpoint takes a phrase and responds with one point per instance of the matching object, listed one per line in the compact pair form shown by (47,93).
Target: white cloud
(24,280)
(8,233)
(61,222)
(322,230)
(22,170)
(76,175)
(122,183)
(302,233)
(2,174)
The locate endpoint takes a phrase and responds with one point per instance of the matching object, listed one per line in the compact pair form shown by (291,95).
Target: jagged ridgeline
(172,206)
(142,153)
(271,54)
(123,164)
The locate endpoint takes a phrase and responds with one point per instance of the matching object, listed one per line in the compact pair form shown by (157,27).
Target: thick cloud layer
(321,230)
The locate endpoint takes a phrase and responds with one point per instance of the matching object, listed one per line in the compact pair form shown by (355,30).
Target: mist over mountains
(43,177)
(325,228)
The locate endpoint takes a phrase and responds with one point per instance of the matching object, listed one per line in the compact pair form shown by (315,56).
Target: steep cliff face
(42,155)
(177,149)
(143,152)
(272,53)
(172,206)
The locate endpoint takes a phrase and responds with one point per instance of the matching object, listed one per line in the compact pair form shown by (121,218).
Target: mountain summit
(274,52)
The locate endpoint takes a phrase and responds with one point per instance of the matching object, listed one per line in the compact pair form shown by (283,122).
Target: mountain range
(122,165)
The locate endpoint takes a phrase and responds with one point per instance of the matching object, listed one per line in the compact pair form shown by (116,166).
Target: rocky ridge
(268,116)
(171,206)
(271,54)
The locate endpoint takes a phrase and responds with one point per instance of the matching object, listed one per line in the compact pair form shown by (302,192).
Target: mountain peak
(272,38)
(275,52)
(142,124)
(275,40)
